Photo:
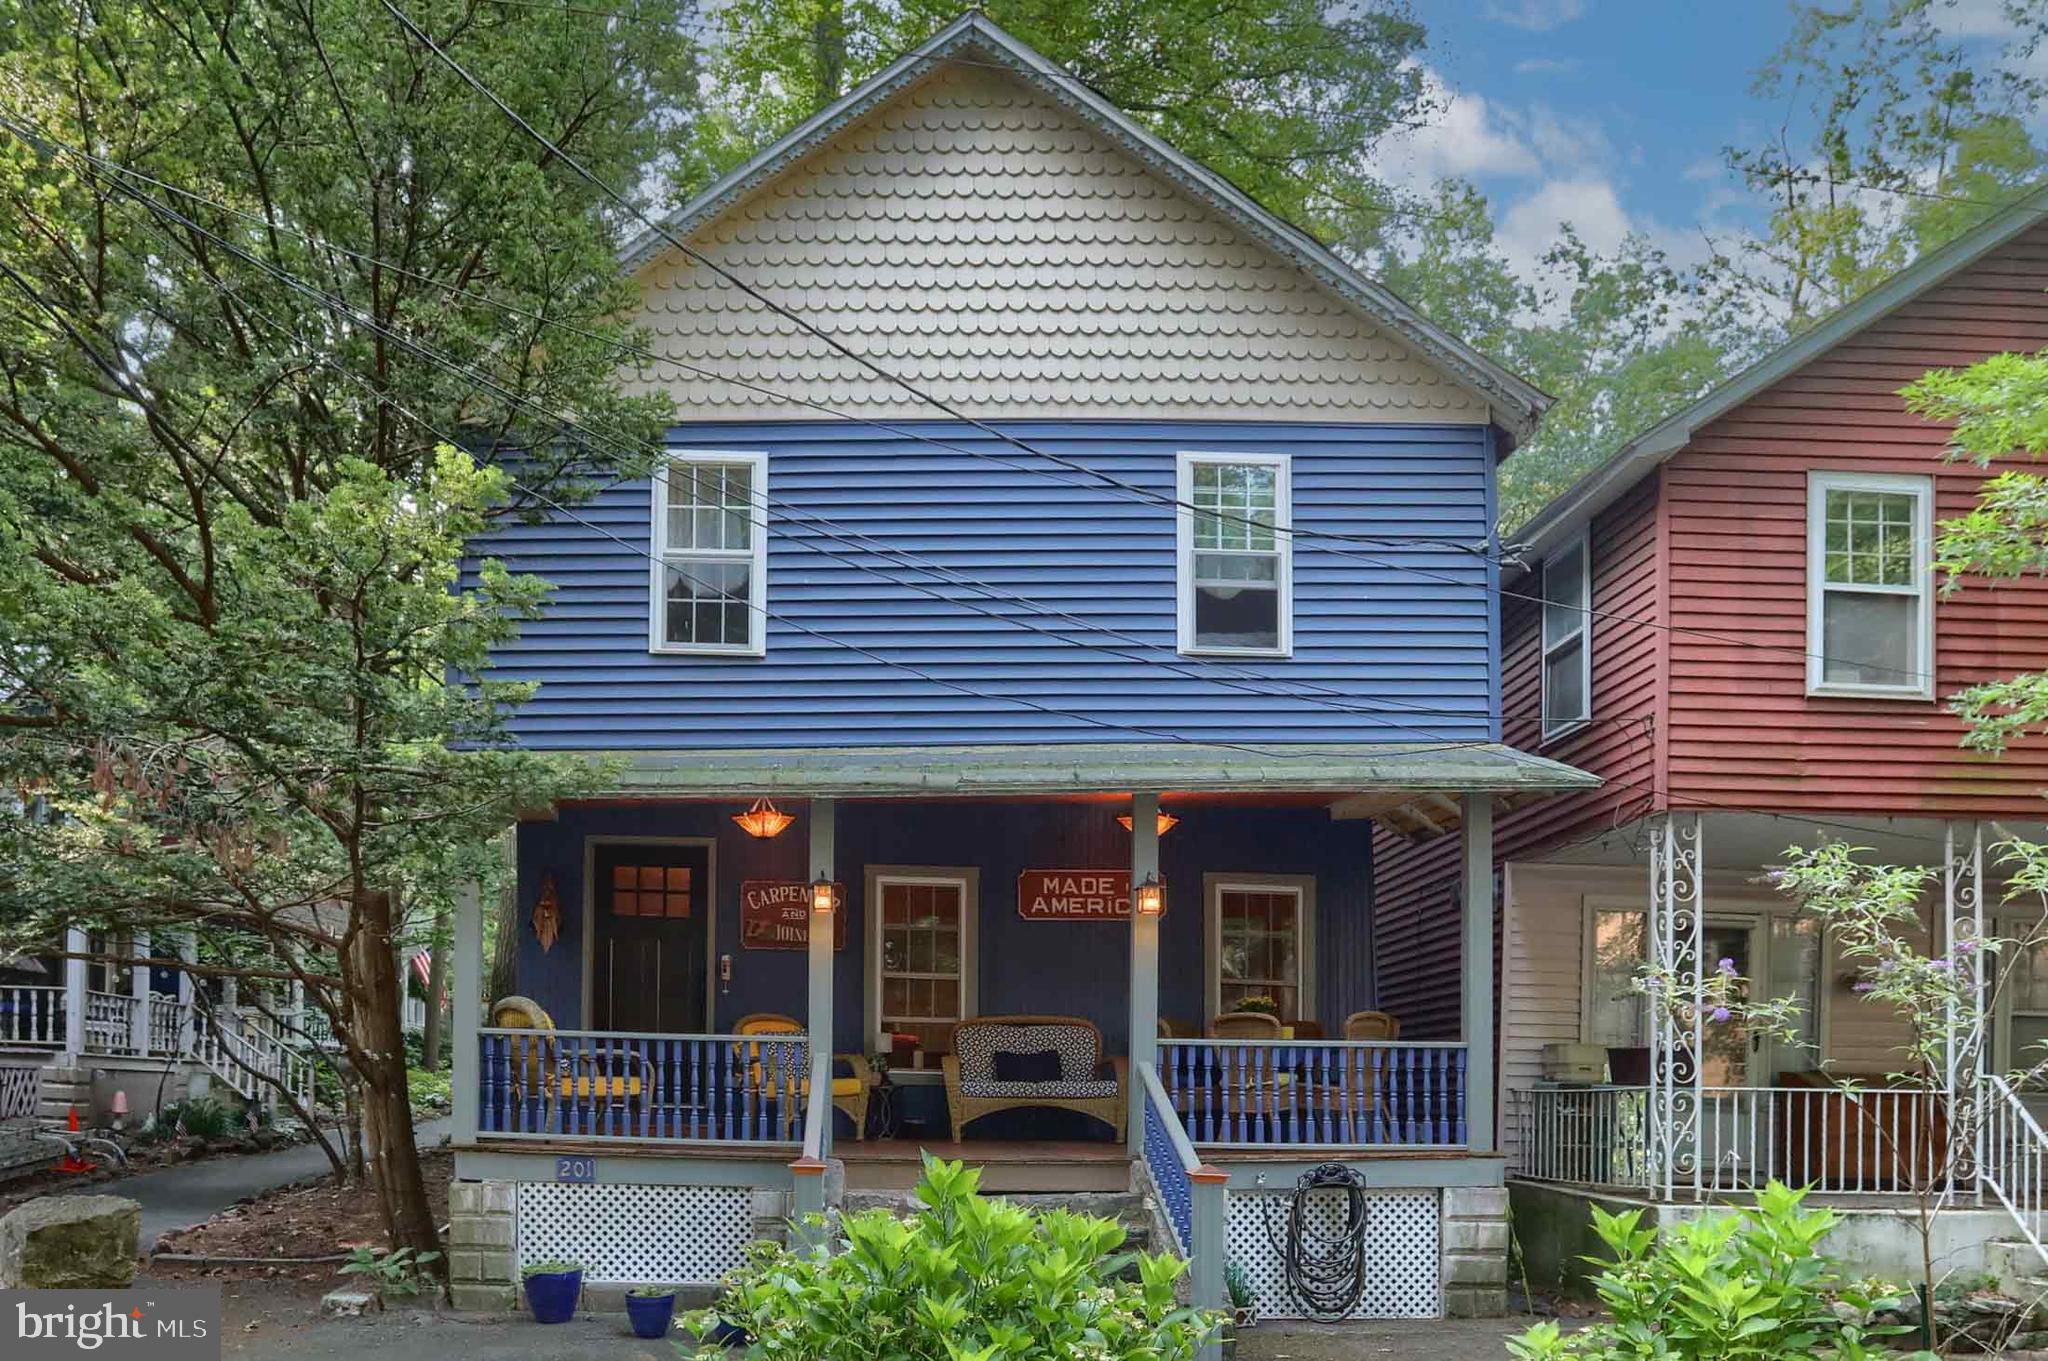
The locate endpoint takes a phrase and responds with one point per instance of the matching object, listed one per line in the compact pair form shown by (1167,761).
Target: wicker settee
(1084,1082)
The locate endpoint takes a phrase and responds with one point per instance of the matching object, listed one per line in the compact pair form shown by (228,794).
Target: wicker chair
(1245,1025)
(973,1090)
(529,1077)
(1372,1025)
(849,1092)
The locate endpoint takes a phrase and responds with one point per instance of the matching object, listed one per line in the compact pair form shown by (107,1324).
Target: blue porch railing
(1171,1160)
(1330,1093)
(590,1084)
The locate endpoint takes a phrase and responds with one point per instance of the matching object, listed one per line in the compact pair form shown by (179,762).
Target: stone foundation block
(478,1298)
(1472,1301)
(70,1243)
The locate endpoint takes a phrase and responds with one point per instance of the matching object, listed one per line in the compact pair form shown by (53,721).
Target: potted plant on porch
(552,1289)
(650,1309)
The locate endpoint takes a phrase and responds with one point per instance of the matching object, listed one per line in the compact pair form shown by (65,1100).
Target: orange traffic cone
(71,1162)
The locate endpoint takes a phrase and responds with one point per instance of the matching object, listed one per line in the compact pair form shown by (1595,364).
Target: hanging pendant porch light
(764,819)
(1167,821)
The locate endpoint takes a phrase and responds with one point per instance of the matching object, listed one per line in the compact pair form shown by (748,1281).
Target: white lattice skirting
(1403,1267)
(626,1234)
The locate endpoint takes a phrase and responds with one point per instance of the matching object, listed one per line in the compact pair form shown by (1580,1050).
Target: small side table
(884,1121)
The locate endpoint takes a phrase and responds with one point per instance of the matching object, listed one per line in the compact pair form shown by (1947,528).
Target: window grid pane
(1236,505)
(921,961)
(1868,538)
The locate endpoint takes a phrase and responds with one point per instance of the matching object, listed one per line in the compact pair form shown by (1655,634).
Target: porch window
(1260,934)
(1567,639)
(2026,1024)
(1617,1013)
(711,554)
(1236,555)
(651,891)
(1870,607)
(923,956)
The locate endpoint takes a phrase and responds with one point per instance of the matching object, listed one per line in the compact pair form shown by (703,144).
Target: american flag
(423,967)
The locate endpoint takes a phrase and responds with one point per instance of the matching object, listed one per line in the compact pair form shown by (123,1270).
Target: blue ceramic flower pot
(552,1295)
(650,1315)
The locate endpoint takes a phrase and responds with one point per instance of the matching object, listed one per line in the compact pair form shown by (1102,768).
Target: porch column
(138,988)
(188,951)
(1477,1009)
(1144,965)
(1676,925)
(819,1014)
(76,943)
(1962,931)
(466,1007)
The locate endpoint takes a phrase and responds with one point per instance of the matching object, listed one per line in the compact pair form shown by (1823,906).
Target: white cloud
(1546,66)
(1469,137)
(1533,224)
(1562,140)
(1537,16)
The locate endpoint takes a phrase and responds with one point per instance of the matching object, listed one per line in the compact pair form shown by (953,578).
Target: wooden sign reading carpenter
(1074,895)
(775,914)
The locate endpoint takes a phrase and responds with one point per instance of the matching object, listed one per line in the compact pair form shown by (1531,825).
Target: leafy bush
(1745,1284)
(965,1279)
(427,1090)
(400,1274)
(202,1117)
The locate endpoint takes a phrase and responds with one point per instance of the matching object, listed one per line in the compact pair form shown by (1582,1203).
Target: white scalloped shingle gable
(972,234)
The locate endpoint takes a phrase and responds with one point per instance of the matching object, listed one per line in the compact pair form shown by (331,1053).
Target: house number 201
(582,1170)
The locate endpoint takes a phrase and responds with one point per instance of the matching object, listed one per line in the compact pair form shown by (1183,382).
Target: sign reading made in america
(775,914)
(1074,895)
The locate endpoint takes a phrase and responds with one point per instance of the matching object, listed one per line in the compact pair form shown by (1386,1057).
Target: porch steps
(1128,1208)
(2017,1267)
(1012,1169)
(64,1087)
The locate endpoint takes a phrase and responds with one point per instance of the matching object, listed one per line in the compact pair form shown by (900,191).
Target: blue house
(1062,566)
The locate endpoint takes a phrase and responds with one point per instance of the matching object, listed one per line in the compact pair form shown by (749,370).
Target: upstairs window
(711,554)
(1869,585)
(1567,639)
(1236,555)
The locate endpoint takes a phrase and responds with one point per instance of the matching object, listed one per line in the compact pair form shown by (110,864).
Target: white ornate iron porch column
(1477,1009)
(818,1019)
(1962,933)
(1144,1045)
(1676,929)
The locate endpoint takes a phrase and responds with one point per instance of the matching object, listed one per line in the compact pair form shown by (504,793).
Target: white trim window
(710,570)
(921,951)
(1870,585)
(1567,638)
(1261,930)
(1235,555)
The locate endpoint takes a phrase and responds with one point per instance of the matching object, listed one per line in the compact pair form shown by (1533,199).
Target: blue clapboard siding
(1076,968)
(858,654)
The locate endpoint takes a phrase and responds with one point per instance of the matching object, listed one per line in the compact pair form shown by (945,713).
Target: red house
(1735,622)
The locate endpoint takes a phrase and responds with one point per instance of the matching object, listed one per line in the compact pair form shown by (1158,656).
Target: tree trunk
(828,50)
(437,991)
(504,979)
(370,970)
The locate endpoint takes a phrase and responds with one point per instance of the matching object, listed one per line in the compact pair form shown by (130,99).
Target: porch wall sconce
(1167,822)
(1150,897)
(824,897)
(764,819)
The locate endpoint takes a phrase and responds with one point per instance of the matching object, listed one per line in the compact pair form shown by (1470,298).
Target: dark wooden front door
(648,972)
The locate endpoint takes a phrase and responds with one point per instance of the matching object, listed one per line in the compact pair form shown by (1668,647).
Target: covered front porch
(1015,950)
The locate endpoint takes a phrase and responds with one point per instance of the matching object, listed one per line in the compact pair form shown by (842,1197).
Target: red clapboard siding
(1416,884)
(1743,730)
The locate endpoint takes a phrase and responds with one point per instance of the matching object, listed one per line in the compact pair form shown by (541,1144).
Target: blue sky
(1610,113)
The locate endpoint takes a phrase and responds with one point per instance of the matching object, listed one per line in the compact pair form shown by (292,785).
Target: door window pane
(1617,1012)
(921,964)
(1260,953)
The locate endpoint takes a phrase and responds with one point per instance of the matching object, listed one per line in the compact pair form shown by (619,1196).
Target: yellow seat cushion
(611,1087)
(846,1086)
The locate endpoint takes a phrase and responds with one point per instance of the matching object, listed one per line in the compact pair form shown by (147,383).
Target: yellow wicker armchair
(850,1091)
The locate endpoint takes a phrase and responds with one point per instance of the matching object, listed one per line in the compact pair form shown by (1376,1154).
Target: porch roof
(1353,775)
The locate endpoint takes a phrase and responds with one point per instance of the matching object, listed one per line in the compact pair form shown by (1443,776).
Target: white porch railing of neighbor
(243,1051)
(2015,1163)
(110,1023)
(1837,1140)
(32,1016)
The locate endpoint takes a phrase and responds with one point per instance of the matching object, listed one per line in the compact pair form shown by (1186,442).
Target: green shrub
(202,1117)
(427,1090)
(1750,1284)
(400,1274)
(965,1279)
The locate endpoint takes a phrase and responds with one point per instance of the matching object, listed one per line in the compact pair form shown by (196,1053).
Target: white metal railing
(243,1052)
(1838,1140)
(2014,1167)
(32,1015)
(109,1023)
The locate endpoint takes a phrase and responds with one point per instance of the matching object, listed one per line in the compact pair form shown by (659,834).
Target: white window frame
(1184,543)
(1583,635)
(757,607)
(1303,886)
(1818,485)
(967,879)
